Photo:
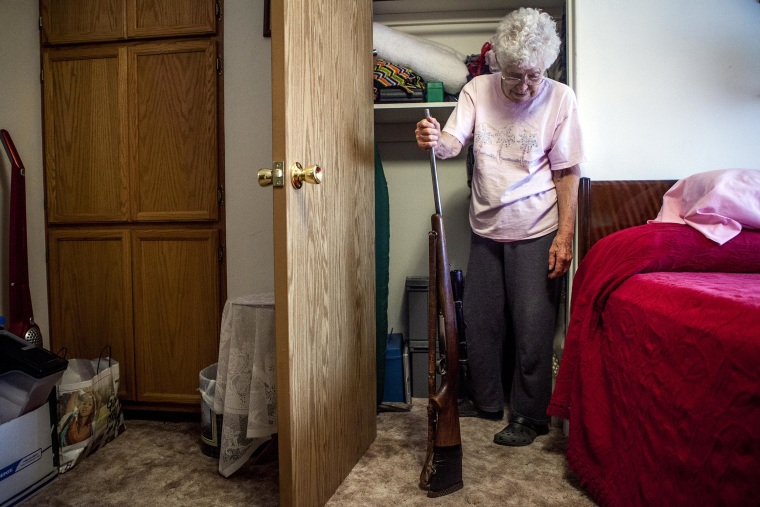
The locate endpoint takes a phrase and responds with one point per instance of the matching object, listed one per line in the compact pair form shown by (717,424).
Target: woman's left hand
(561,251)
(560,255)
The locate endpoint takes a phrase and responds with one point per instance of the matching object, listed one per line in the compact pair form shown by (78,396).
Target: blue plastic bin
(394,372)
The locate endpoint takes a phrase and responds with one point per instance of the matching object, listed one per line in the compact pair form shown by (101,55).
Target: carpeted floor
(160,463)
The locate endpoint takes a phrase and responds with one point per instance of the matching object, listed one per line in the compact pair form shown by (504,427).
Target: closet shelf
(412,112)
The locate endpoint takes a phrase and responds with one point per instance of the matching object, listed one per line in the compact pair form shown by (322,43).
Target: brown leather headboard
(605,207)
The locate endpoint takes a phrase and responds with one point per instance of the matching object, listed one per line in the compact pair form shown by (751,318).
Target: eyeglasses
(531,79)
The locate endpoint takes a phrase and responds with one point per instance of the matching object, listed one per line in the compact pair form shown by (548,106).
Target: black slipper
(520,432)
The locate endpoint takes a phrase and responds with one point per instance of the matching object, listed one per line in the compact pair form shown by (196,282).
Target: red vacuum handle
(10,149)
(20,315)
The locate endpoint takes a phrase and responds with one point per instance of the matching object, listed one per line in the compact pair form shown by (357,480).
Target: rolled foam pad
(431,61)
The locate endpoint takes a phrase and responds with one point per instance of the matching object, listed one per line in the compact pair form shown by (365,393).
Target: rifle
(442,470)
(20,317)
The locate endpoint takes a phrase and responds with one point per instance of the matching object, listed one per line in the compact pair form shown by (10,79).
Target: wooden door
(324,244)
(91,283)
(176,318)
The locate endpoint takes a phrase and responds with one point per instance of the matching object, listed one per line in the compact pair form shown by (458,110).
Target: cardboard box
(26,456)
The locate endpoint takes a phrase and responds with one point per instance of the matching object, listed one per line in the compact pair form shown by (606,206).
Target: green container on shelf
(435,91)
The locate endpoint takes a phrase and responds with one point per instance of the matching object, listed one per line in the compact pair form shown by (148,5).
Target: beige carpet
(160,464)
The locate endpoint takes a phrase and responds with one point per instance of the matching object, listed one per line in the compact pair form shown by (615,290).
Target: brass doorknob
(312,174)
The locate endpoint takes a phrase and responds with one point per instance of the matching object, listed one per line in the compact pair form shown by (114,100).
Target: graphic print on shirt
(515,143)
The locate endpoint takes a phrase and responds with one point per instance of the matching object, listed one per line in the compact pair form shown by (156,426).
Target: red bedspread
(660,377)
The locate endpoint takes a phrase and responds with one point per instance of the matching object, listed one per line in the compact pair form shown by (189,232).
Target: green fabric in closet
(382,261)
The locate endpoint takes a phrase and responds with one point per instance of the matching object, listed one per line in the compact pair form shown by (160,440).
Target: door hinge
(40,22)
(221,253)
(218,10)
(219,65)
(42,76)
(220,196)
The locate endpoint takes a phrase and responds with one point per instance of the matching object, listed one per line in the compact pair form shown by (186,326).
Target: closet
(459,25)
(465,27)
(132,94)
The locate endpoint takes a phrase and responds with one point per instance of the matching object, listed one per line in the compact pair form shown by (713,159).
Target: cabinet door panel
(70,21)
(176,294)
(161,18)
(86,134)
(91,297)
(173,130)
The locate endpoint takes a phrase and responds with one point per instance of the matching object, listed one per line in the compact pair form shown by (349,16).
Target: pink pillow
(716,203)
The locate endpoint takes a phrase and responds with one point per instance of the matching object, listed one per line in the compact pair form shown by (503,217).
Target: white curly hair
(526,38)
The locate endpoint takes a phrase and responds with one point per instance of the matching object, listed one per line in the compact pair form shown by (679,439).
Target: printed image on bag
(88,408)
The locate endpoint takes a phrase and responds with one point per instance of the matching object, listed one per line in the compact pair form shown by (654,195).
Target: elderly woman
(527,146)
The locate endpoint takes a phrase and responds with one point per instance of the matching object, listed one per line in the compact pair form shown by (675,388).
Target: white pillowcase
(716,203)
(430,60)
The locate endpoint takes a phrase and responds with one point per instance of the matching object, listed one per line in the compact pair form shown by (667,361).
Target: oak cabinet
(176,290)
(91,296)
(133,189)
(71,21)
(82,21)
(173,130)
(164,18)
(150,294)
(131,132)
(85,125)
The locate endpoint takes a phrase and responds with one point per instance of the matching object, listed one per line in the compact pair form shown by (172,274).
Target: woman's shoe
(520,432)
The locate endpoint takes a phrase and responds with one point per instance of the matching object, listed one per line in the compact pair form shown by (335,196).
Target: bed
(660,375)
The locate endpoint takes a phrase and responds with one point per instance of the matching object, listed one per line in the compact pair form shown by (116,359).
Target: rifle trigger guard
(440,366)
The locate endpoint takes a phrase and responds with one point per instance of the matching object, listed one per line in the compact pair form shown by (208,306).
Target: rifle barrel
(434,174)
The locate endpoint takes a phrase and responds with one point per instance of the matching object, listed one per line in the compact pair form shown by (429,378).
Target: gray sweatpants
(510,309)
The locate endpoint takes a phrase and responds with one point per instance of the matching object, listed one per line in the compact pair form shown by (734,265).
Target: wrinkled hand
(428,133)
(560,255)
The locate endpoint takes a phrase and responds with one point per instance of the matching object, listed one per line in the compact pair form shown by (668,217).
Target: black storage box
(394,95)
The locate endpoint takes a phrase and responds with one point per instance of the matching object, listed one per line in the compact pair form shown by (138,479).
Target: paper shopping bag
(88,409)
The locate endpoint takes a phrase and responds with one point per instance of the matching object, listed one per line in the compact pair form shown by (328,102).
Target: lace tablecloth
(245,384)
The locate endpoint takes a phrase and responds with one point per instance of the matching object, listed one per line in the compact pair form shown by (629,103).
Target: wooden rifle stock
(442,471)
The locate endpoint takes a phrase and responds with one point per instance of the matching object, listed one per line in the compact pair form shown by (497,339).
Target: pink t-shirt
(516,146)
